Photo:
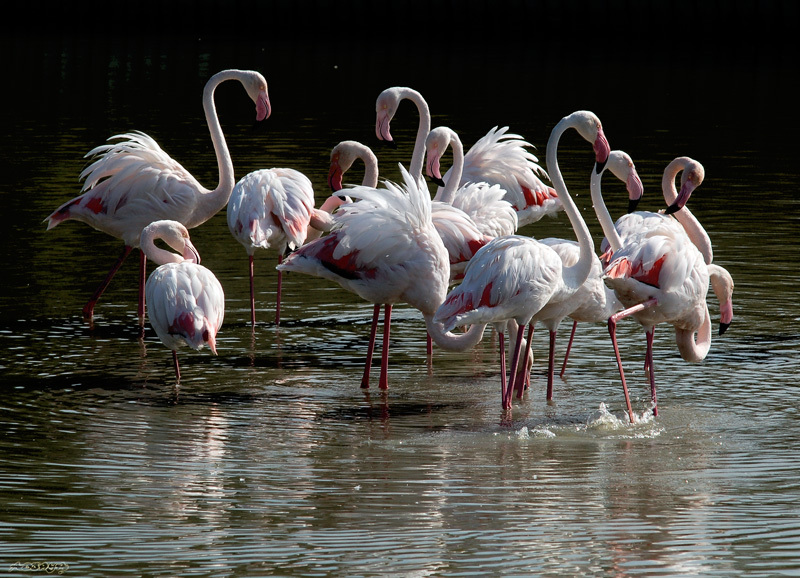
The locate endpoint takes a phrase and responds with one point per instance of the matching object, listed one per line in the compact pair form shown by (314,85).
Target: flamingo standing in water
(661,275)
(186,304)
(518,278)
(597,302)
(499,157)
(133,182)
(275,208)
(385,248)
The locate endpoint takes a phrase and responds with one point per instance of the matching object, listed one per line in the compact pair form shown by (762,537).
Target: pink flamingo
(484,203)
(597,302)
(133,182)
(385,248)
(498,158)
(518,278)
(661,276)
(186,304)
(275,208)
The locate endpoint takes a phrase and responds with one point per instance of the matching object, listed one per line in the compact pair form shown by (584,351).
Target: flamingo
(133,182)
(186,304)
(600,302)
(518,278)
(661,276)
(275,208)
(484,203)
(461,235)
(386,249)
(497,158)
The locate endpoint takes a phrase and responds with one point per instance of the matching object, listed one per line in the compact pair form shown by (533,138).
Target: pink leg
(278,298)
(612,329)
(88,309)
(649,365)
(502,340)
(383,382)
(569,347)
(514,364)
(371,348)
(177,366)
(252,292)
(551,366)
(523,377)
(142,280)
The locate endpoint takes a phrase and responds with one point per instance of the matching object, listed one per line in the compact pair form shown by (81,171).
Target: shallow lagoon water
(270,460)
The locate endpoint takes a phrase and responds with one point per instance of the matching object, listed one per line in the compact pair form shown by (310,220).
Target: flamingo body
(133,182)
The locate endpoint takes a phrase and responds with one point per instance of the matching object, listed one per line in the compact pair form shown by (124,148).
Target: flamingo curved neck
(694,230)
(600,209)
(450,341)
(576,275)
(211,202)
(692,349)
(448,193)
(370,166)
(418,157)
(156,254)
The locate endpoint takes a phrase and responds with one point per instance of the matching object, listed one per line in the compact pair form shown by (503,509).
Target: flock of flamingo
(455,257)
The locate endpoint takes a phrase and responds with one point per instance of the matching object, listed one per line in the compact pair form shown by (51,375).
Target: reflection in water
(269,458)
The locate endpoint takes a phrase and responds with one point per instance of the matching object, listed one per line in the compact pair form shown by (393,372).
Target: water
(270,460)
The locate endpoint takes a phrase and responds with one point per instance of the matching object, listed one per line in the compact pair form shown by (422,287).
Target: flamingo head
(385,108)
(173,234)
(590,128)
(435,144)
(621,164)
(691,178)
(256,86)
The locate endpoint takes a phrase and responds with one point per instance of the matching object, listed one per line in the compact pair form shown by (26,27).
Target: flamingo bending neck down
(519,279)
(186,304)
(600,301)
(498,158)
(386,249)
(133,182)
(275,208)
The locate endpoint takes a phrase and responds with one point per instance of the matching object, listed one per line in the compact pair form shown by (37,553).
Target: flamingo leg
(371,348)
(501,338)
(514,364)
(177,366)
(649,366)
(523,378)
(253,293)
(612,330)
(383,382)
(569,348)
(142,279)
(551,365)
(88,309)
(278,298)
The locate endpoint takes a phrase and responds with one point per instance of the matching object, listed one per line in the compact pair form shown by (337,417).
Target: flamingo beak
(602,150)
(263,107)
(335,177)
(635,190)
(686,191)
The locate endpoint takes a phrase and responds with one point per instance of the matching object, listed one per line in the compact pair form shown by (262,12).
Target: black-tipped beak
(632,204)
(437,182)
(723,327)
(673,208)
(390,143)
(599,167)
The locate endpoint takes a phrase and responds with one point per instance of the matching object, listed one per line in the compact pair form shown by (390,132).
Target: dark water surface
(269,459)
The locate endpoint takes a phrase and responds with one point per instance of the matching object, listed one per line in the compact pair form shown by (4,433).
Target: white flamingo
(133,182)
(385,248)
(499,157)
(275,208)
(661,276)
(186,304)
(596,300)
(484,203)
(518,278)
